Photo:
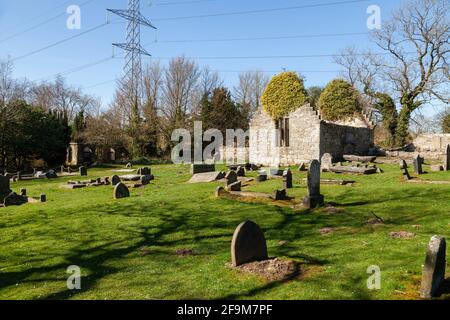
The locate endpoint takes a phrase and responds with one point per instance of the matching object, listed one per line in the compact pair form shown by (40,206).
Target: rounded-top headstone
(327,160)
(121,191)
(248,244)
(115,180)
(314,178)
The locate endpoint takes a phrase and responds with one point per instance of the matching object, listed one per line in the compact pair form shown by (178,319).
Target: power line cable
(40,24)
(317,5)
(60,42)
(325,35)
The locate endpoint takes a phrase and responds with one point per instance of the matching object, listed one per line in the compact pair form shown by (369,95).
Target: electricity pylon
(133,64)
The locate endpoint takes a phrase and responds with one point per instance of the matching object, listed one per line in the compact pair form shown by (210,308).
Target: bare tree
(417,42)
(250,89)
(181,79)
(10,88)
(414,70)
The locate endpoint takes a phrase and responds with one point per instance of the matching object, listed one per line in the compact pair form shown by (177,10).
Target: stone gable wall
(310,137)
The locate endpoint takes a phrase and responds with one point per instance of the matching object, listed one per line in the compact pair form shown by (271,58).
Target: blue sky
(18,15)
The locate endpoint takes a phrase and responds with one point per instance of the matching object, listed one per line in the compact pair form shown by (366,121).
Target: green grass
(106,237)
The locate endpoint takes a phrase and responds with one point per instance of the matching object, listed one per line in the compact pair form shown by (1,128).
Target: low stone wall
(338,140)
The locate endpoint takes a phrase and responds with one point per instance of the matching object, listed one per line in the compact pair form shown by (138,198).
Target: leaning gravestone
(287,179)
(115,180)
(418,161)
(248,244)
(406,175)
(240,172)
(83,171)
(231,177)
(314,198)
(121,191)
(403,164)
(326,161)
(447,158)
(433,273)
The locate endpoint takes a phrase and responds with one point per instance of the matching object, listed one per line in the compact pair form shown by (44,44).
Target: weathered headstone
(403,164)
(302,167)
(433,273)
(43,198)
(248,244)
(326,161)
(240,172)
(121,191)
(145,179)
(262,176)
(13,199)
(406,175)
(447,158)
(280,195)
(115,180)
(51,174)
(287,179)
(314,198)
(417,162)
(83,171)
(129,165)
(236,186)
(145,171)
(231,177)
(436,167)
(220,191)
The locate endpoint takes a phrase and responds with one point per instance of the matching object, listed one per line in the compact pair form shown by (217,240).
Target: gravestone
(405,173)
(129,165)
(302,167)
(276,172)
(262,176)
(4,188)
(231,177)
(23,192)
(447,159)
(145,179)
(121,191)
(236,186)
(314,198)
(436,167)
(13,199)
(83,171)
(43,198)
(326,161)
(115,180)
(145,171)
(220,191)
(248,244)
(417,162)
(51,174)
(202,168)
(240,172)
(287,179)
(280,195)
(433,273)
(403,164)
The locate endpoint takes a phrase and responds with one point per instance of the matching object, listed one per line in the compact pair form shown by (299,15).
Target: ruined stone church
(303,136)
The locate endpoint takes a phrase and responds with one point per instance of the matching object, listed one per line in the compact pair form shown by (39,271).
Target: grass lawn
(127,248)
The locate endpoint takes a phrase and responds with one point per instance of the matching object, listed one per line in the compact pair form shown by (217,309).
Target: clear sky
(47,21)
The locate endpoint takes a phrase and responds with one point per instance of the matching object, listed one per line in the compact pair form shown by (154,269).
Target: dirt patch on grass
(184,252)
(325,231)
(402,235)
(272,270)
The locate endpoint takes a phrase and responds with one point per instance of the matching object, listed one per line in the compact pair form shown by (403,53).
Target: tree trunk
(402,131)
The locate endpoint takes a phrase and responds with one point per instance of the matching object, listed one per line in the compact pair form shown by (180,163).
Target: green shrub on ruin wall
(284,93)
(339,100)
